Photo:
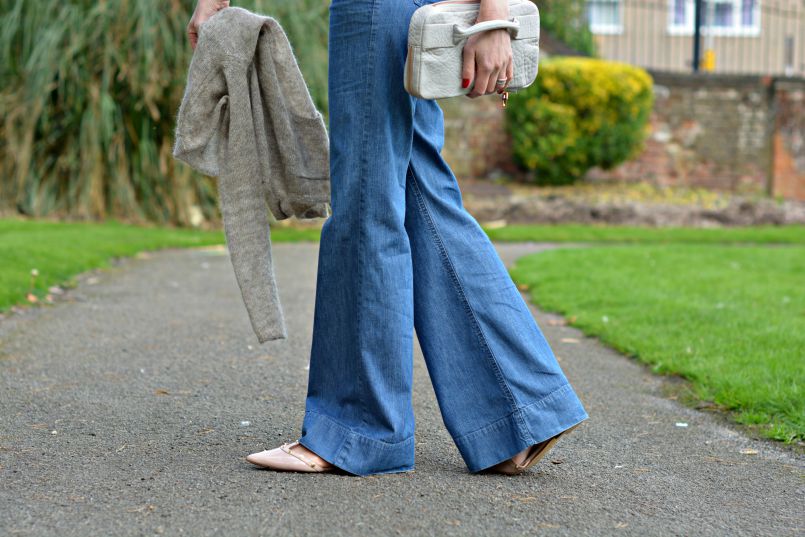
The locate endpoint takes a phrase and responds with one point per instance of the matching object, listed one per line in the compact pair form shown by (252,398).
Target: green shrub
(579,113)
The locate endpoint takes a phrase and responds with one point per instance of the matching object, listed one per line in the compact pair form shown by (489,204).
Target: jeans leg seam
(457,283)
(368,104)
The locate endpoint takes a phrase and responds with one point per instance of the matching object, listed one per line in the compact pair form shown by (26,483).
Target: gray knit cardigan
(248,119)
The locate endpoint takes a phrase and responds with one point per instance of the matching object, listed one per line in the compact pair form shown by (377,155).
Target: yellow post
(709,60)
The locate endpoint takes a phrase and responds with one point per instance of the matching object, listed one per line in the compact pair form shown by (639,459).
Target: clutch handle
(512,25)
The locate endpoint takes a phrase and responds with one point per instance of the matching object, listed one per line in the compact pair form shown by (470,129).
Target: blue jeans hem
(354,452)
(501,439)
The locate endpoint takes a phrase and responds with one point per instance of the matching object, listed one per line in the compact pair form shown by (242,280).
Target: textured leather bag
(436,37)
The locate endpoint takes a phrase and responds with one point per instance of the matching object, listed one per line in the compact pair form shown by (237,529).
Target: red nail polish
(465,82)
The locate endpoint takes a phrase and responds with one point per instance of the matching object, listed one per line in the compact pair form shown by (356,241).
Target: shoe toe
(261,458)
(278,459)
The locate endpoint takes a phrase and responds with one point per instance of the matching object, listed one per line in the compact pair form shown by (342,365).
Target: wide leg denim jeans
(400,253)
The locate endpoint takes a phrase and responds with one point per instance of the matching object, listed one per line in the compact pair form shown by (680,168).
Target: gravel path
(128,409)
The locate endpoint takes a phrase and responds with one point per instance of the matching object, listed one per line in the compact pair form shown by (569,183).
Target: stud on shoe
(534,455)
(283,458)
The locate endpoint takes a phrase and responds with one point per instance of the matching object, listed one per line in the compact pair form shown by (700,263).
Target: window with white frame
(719,17)
(605,16)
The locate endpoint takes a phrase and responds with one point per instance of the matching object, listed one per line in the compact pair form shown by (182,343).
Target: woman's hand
(204,10)
(487,56)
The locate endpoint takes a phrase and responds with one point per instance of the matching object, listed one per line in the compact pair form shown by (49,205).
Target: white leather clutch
(436,37)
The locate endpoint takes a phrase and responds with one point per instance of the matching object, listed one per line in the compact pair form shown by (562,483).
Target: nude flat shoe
(282,458)
(537,452)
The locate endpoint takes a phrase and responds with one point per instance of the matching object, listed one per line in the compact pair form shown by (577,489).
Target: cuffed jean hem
(353,452)
(502,439)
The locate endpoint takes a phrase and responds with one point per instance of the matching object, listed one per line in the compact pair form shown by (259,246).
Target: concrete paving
(128,408)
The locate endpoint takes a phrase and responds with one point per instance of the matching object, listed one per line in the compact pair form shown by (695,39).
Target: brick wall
(788,172)
(726,132)
(705,131)
(476,143)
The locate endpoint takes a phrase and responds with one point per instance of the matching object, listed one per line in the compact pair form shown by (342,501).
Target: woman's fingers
(485,71)
(482,74)
(490,82)
(204,10)
(467,66)
(500,74)
(491,75)
(487,57)
(192,34)
(509,74)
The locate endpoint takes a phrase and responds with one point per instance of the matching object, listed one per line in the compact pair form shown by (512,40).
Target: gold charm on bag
(504,97)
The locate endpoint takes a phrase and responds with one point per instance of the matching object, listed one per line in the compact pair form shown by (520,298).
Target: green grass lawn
(59,251)
(731,319)
(597,233)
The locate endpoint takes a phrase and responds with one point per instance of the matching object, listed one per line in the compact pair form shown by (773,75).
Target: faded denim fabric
(400,253)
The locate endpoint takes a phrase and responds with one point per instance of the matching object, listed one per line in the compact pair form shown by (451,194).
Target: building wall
(646,40)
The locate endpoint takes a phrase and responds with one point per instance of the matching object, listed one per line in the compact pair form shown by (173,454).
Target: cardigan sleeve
(245,212)
(300,181)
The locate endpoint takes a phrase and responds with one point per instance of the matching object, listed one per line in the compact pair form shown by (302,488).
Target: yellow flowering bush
(580,112)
